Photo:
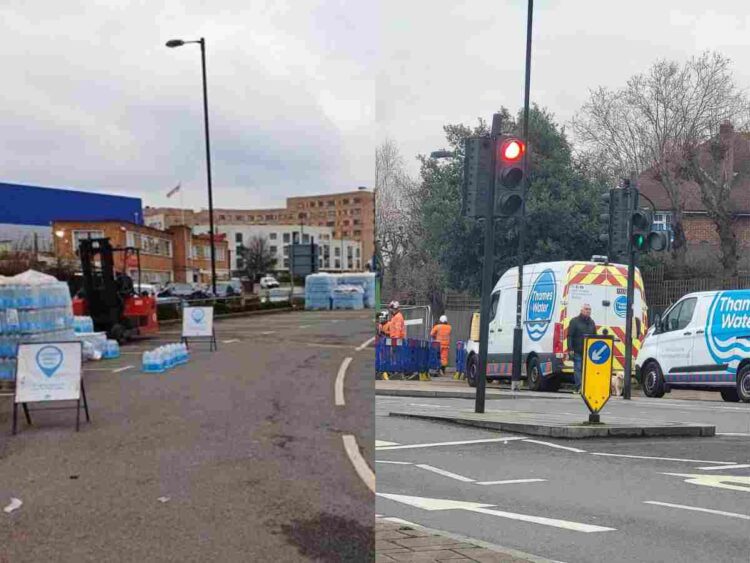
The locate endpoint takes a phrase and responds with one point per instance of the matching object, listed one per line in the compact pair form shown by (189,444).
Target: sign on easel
(198,324)
(596,373)
(49,372)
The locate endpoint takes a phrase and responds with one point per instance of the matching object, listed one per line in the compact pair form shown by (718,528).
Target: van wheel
(730,395)
(653,380)
(472,367)
(743,384)
(534,375)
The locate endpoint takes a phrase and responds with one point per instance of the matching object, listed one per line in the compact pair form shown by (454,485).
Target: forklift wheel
(118,333)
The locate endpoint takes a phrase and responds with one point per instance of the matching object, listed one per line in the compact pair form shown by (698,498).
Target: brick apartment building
(163,254)
(351,215)
(700,232)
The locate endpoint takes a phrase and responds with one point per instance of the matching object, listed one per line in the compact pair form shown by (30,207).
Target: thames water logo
(49,359)
(621,306)
(198,315)
(541,305)
(727,328)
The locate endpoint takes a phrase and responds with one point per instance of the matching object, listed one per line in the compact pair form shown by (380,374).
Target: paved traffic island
(562,425)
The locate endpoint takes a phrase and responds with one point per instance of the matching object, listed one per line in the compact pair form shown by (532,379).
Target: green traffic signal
(639,242)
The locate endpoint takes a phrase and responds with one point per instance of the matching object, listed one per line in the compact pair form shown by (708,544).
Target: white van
(702,342)
(553,293)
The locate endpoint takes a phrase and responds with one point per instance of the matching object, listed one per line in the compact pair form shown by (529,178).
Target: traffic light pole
(487,269)
(632,204)
(518,330)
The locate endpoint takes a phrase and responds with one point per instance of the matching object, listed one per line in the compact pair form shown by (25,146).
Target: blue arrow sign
(599,352)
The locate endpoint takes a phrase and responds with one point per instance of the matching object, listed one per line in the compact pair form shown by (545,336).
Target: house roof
(650,186)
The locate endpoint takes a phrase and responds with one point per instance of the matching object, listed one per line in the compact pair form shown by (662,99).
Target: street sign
(597,373)
(304,259)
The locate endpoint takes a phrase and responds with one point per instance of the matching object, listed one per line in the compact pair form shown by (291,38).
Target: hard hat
(394,304)
(443,319)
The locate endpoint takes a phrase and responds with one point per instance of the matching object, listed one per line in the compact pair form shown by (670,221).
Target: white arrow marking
(445,473)
(120,370)
(718,481)
(719,467)
(697,509)
(380,443)
(338,388)
(436,444)
(596,355)
(663,458)
(444,504)
(394,462)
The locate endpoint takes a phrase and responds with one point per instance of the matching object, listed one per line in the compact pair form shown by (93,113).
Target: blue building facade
(27,213)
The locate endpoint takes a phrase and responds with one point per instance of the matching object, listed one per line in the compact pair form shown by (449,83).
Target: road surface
(237,456)
(576,501)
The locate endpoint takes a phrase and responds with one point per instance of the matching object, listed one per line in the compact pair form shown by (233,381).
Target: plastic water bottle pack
(165,357)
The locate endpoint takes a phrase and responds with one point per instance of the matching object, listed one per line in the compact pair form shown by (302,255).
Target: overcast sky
(92,99)
(453,61)
(300,91)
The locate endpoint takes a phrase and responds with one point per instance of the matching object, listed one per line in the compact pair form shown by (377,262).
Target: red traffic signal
(512,150)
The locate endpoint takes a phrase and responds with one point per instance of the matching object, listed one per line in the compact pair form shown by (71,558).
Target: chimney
(726,138)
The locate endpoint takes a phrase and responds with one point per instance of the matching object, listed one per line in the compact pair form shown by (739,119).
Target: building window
(286,251)
(305,239)
(286,262)
(357,252)
(346,201)
(286,237)
(221,253)
(222,217)
(273,249)
(272,236)
(331,224)
(337,251)
(80,235)
(349,251)
(331,203)
(357,200)
(237,237)
(148,244)
(357,233)
(662,221)
(337,264)
(355,222)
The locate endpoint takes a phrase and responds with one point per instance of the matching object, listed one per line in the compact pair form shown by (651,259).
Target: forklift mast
(105,303)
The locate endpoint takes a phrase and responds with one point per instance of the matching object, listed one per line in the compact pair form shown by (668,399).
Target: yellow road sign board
(597,371)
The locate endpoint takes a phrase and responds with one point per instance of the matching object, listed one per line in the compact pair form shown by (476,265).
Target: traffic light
(477,176)
(509,175)
(643,238)
(604,221)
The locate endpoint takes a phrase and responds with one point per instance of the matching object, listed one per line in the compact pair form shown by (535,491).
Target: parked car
(700,343)
(184,291)
(268,282)
(232,288)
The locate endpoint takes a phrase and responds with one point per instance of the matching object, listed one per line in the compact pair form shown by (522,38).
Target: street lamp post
(179,43)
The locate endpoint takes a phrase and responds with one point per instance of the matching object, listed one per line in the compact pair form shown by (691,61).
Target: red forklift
(109,297)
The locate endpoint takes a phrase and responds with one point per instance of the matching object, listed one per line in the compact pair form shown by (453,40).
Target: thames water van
(553,294)
(702,342)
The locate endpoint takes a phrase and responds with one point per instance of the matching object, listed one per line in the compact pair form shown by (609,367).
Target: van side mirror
(657,322)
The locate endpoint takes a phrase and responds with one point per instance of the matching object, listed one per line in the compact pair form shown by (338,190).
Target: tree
(257,257)
(655,122)
(561,220)
(392,213)
(713,169)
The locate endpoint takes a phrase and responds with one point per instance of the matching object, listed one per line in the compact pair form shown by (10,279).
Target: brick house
(163,259)
(700,231)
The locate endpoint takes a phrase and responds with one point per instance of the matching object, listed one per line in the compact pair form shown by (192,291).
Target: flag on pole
(174,190)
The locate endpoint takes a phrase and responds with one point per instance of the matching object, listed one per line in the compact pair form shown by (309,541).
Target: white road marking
(231,340)
(338,388)
(360,465)
(430,406)
(394,462)
(364,344)
(380,443)
(269,332)
(444,504)
(559,447)
(304,326)
(97,369)
(120,370)
(718,481)
(444,473)
(510,481)
(461,443)
(662,458)
(731,434)
(698,509)
(720,467)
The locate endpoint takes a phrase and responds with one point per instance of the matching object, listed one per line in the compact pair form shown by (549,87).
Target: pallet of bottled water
(318,291)
(165,357)
(348,297)
(34,307)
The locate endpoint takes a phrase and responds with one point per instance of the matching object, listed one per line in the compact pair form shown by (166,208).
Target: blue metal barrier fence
(407,355)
